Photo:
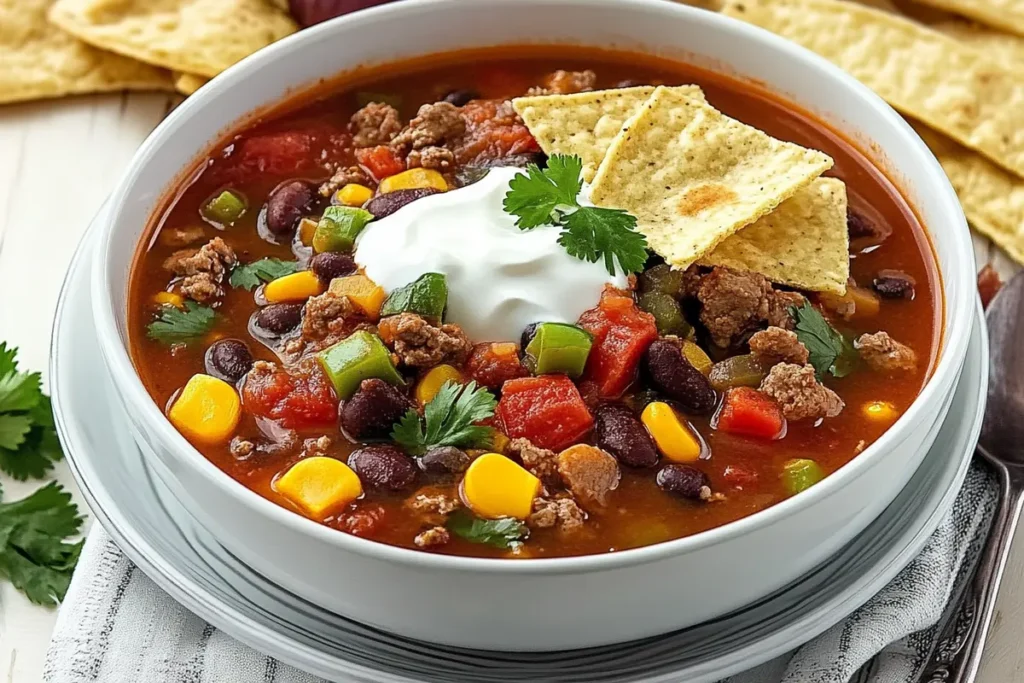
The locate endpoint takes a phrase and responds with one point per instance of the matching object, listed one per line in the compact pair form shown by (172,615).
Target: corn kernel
(366,294)
(307,228)
(697,357)
(207,410)
(674,438)
(880,411)
(433,380)
(353,194)
(495,486)
(169,299)
(319,485)
(294,287)
(413,179)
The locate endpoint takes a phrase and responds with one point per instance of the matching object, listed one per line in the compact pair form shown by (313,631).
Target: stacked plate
(159,535)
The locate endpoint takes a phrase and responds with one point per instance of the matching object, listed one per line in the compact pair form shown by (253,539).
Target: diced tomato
(301,398)
(493,131)
(622,332)
(739,477)
(380,161)
(748,412)
(492,364)
(547,410)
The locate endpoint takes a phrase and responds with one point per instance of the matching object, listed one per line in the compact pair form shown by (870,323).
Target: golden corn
(433,380)
(674,438)
(413,179)
(697,357)
(366,294)
(495,486)
(207,410)
(880,411)
(319,485)
(307,227)
(353,194)
(169,299)
(294,287)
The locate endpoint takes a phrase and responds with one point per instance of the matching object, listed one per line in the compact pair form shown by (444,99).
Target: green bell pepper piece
(359,356)
(558,348)
(668,316)
(427,296)
(801,474)
(339,227)
(225,208)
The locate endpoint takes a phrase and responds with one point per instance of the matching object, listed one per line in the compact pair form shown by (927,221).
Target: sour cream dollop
(500,278)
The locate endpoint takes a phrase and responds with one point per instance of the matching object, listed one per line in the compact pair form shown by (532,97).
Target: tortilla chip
(922,72)
(1004,14)
(804,243)
(692,176)
(1005,48)
(187,84)
(201,37)
(584,123)
(38,60)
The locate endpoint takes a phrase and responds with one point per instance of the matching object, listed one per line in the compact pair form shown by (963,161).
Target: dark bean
(617,431)
(860,227)
(287,204)
(383,205)
(685,481)
(228,359)
(373,409)
(671,374)
(528,333)
(894,284)
(445,459)
(461,98)
(382,466)
(330,265)
(279,318)
(517,160)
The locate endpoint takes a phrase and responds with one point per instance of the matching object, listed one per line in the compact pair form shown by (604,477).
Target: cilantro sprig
(448,420)
(506,532)
(549,197)
(830,352)
(248,276)
(28,439)
(179,326)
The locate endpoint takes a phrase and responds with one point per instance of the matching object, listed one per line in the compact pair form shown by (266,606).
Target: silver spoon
(958,655)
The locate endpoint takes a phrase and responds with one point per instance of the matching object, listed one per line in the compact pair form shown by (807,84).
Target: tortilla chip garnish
(1008,16)
(692,176)
(953,88)
(201,37)
(584,123)
(187,84)
(804,243)
(1005,48)
(38,60)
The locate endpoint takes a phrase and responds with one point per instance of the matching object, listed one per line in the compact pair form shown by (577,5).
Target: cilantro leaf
(506,532)
(19,390)
(249,275)
(176,326)
(448,420)
(549,197)
(28,439)
(13,429)
(829,351)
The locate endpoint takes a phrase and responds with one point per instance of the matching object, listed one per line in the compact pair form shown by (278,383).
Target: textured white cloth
(117,626)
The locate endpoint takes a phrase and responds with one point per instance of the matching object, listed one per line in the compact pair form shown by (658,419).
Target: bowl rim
(958,283)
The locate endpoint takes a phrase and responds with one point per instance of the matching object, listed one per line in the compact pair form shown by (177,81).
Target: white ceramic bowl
(556,603)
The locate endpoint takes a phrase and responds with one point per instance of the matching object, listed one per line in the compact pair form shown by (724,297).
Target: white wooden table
(58,161)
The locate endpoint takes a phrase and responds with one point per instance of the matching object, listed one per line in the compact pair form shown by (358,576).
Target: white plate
(165,542)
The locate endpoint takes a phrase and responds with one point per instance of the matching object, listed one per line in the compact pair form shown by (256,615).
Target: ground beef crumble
(541,462)
(419,344)
(776,345)
(433,504)
(203,270)
(736,302)
(375,124)
(882,353)
(435,158)
(316,447)
(325,316)
(589,472)
(434,125)
(563,511)
(432,537)
(800,393)
(342,177)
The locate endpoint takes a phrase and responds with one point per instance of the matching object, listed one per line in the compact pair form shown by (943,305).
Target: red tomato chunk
(381,161)
(748,412)
(493,131)
(547,410)
(493,364)
(302,398)
(622,332)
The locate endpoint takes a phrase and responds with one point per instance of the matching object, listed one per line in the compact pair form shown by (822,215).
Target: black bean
(860,226)
(671,374)
(461,98)
(383,205)
(617,431)
(287,204)
(685,481)
(330,265)
(528,333)
(444,459)
(373,409)
(228,359)
(383,466)
(279,318)
(894,284)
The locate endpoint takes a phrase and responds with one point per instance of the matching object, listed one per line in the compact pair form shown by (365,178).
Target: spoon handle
(960,662)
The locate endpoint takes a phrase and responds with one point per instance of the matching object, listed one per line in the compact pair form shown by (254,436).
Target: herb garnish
(250,275)
(449,419)
(176,326)
(830,352)
(506,532)
(28,440)
(549,197)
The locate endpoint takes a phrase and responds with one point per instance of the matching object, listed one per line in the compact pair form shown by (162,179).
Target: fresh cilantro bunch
(28,440)
(448,420)
(249,275)
(548,197)
(830,352)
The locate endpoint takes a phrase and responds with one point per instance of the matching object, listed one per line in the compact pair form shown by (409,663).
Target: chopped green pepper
(360,356)
(667,314)
(801,474)
(427,295)
(558,348)
(737,371)
(339,227)
(225,208)
(662,278)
